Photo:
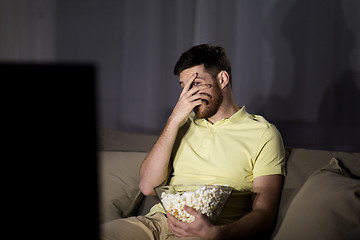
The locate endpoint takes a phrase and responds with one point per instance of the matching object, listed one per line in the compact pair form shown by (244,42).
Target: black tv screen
(50,150)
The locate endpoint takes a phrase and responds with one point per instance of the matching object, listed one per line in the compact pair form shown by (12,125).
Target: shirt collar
(236,117)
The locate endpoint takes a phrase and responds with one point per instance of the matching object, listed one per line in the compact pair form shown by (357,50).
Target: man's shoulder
(259,121)
(260,125)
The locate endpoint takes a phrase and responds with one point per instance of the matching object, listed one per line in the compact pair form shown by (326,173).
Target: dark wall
(296,62)
(324,44)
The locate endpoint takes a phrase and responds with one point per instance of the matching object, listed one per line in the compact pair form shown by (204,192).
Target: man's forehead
(187,73)
(185,78)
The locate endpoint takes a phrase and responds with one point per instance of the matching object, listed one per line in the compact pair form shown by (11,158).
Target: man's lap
(153,227)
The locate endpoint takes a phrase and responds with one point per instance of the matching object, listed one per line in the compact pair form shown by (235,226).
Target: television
(50,155)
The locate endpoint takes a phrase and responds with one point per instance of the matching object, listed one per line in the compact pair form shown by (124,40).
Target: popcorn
(203,200)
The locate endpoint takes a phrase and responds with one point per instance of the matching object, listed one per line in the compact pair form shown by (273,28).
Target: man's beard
(209,108)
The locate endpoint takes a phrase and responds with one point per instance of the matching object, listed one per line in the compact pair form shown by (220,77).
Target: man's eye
(196,83)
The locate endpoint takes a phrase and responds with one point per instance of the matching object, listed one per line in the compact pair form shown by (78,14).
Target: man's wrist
(174,122)
(216,233)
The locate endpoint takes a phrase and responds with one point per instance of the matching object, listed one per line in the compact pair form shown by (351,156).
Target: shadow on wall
(337,124)
(339,112)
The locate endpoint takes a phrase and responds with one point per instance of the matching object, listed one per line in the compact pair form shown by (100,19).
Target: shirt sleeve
(270,157)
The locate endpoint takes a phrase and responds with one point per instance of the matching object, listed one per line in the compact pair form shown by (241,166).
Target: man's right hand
(189,98)
(155,167)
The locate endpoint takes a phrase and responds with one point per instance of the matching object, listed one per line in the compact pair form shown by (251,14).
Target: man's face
(209,107)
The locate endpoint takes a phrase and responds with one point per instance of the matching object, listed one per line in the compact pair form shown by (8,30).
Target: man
(208,139)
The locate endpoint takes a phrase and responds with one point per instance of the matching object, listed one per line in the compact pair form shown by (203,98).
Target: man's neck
(226,110)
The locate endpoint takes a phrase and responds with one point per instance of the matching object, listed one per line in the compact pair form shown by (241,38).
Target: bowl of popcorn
(206,199)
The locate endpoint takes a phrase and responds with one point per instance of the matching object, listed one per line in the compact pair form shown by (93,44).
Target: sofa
(320,197)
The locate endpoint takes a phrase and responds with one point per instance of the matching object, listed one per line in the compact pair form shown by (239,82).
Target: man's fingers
(192,211)
(194,98)
(175,226)
(194,91)
(191,80)
(189,83)
(199,96)
(198,88)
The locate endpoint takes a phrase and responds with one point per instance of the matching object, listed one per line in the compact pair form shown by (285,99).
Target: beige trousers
(153,227)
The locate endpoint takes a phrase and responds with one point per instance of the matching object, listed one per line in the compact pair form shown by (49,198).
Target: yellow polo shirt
(231,152)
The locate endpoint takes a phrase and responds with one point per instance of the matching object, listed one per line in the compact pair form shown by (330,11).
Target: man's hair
(213,57)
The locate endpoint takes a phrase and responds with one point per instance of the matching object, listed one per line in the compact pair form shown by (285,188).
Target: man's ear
(223,79)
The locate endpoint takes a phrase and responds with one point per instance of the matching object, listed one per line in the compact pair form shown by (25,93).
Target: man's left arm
(255,224)
(260,220)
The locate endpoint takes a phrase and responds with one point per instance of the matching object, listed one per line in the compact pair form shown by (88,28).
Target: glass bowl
(206,199)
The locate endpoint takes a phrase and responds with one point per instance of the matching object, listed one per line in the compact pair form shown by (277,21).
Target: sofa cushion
(113,140)
(300,164)
(326,207)
(120,195)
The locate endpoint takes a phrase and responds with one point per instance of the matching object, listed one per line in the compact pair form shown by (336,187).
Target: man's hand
(189,98)
(155,167)
(201,227)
